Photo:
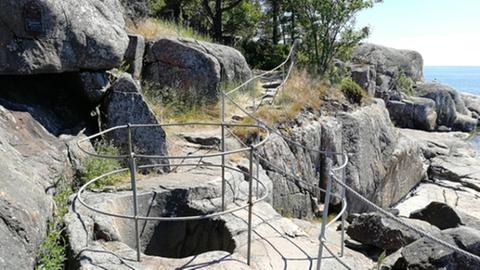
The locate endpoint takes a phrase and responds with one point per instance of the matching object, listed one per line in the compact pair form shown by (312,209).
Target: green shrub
(403,83)
(94,166)
(52,253)
(352,90)
(264,55)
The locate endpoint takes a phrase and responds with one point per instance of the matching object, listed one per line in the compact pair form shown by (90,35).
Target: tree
(215,14)
(330,28)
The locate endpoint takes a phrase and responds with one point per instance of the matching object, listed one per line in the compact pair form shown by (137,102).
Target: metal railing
(253,157)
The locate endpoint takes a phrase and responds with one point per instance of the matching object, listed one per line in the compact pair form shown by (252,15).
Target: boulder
(124,104)
(451,110)
(94,86)
(384,165)
(426,254)
(413,112)
(389,61)
(135,10)
(193,66)
(364,75)
(445,216)
(45,36)
(376,230)
(455,168)
(134,55)
(31,162)
(472,102)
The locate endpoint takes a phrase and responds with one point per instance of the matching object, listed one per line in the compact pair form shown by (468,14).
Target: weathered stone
(135,10)
(449,105)
(94,85)
(382,232)
(472,102)
(190,65)
(417,113)
(134,55)
(364,75)
(124,105)
(31,161)
(460,169)
(383,164)
(60,36)
(426,254)
(444,216)
(389,61)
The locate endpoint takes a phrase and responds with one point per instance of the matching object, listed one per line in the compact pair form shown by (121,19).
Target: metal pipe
(222,113)
(133,178)
(324,217)
(250,205)
(344,215)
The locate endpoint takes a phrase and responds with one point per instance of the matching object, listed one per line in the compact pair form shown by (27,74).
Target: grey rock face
(94,86)
(389,61)
(379,231)
(383,164)
(426,254)
(472,102)
(31,159)
(444,216)
(134,55)
(135,10)
(416,113)
(365,76)
(190,65)
(46,36)
(125,104)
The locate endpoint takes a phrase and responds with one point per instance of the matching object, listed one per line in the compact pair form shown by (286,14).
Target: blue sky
(445,32)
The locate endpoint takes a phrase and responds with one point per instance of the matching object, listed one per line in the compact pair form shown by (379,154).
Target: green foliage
(256,56)
(330,29)
(403,83)
(156,6)
(380,261)
(52,253)
(94,166)
(352,90)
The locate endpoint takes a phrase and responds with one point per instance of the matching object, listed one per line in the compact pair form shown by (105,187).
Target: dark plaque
(32,16)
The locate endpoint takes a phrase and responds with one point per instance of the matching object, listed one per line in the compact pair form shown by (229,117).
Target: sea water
(463,79)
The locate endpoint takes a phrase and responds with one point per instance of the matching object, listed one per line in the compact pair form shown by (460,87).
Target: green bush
(403,83)
(264,55)
(94,166)
(352,90)
(52,253)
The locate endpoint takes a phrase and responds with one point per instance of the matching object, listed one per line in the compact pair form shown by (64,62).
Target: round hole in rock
(173,239)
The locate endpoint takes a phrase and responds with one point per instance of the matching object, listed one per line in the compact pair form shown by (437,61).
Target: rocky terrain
(61,80)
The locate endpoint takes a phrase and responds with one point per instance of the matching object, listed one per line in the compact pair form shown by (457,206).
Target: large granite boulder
(31,161)
(124,104)
(444,216)
(413,112)
(426,254)
(447,99)
(195,66)
(47,36)
(472,102)
(384,165)
(376,230)
(389,61)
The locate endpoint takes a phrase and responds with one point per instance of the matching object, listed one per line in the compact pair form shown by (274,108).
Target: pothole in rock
(171,239)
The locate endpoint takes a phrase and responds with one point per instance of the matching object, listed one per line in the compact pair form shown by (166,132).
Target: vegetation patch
(95,167)
(352,91)
(53,251)
(403,83)
(152,29)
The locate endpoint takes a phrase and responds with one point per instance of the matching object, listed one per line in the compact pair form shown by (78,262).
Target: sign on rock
(32,16)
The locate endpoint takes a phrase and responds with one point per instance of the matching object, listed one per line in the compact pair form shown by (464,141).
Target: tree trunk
(217,22)
(275,7)
(292,26)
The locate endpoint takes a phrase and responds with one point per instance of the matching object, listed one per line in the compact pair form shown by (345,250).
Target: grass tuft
(151,29)
(94,166)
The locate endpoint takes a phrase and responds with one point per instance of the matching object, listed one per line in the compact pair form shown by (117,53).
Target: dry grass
(302,91)
(151,29)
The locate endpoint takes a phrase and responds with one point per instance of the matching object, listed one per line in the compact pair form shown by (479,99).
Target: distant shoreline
(462,78)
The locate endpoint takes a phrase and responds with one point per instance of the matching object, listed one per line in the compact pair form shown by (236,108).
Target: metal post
(250,205)
(325,217)
(133,175)
(223,149)
(344,215)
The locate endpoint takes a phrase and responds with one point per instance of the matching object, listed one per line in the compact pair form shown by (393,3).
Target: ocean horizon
(462,78)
